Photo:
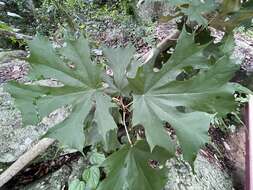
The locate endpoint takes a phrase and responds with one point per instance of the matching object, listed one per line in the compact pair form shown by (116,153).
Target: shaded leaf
(77,185)
(103,118)
(129,168)
(91,176)
(97,158)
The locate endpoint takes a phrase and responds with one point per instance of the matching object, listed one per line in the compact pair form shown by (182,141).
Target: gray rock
(153,9)
(6,56)
(12,65)
(15,139)
(209,176)
(149,10)
(244,50)
(235,153)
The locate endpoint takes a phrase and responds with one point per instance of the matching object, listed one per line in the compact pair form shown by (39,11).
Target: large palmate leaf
(129,168)
(195,9)
(81,88)
(187,105)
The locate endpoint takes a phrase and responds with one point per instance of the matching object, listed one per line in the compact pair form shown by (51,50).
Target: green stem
(124,123)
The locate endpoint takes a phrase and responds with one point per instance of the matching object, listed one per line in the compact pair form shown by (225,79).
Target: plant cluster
(77,12)
(132,111)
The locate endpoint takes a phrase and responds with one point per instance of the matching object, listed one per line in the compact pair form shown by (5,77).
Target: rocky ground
(216,166)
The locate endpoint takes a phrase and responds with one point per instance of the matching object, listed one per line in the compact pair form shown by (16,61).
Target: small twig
(125,109)
(117,101)
(129,104)
(25,159)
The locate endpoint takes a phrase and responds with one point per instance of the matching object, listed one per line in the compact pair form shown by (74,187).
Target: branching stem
(129,104)
(125,109)
(124,123)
